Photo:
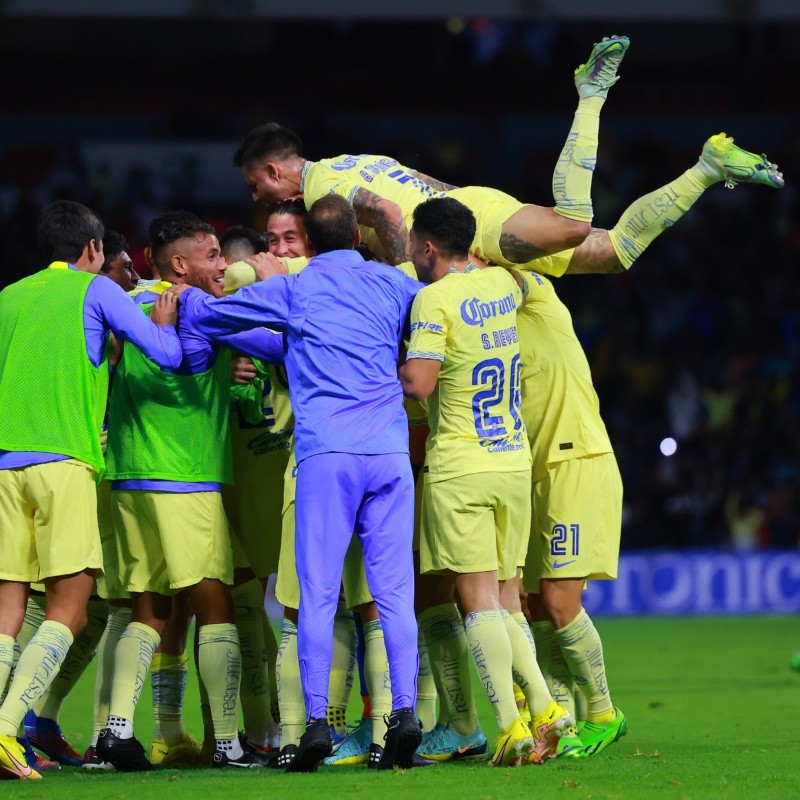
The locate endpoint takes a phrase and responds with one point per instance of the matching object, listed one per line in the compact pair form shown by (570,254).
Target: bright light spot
(668,446)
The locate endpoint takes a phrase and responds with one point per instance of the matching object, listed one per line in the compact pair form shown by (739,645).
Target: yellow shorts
(254,506)
(108,585)
(492,209)
(168,541)
(287,586)
(577,518)
(475,523)
(48,521)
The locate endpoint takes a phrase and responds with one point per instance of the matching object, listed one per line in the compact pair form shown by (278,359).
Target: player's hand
(165,310)
(243,370)
(267,265)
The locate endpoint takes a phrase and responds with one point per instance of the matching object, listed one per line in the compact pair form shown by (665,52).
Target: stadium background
(136,107)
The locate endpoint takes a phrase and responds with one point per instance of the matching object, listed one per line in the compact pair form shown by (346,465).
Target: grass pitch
(712,707)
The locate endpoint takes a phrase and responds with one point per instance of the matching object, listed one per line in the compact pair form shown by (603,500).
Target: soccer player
(464,356)
(50,445)
(384,193)
(118,265)
(168,453)
(344,319)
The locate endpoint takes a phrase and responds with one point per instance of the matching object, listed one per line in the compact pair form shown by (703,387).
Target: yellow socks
(6,660)
(168,679)
(572,178)
(133,655)
(554,668)
(426,687)
(80,654)
(290,690)
(491,652)
(448,654)
(342,669)
(271,650)
(38,665)
(248,602)
(583,652)
(524,667)
(650,215)
(376,667)
(118,619)
(220,667)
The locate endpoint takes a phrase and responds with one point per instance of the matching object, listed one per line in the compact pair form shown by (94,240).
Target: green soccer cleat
(596,736)
(723,160)
(599,73)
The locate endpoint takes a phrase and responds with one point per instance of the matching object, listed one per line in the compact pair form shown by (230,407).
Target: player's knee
(74,619)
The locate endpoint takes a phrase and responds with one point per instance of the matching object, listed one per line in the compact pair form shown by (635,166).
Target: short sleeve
(428,326)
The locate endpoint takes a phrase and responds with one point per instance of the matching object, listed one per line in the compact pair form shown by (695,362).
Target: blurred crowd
(698,344)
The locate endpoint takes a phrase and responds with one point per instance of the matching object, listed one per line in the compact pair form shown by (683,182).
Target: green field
(713,711)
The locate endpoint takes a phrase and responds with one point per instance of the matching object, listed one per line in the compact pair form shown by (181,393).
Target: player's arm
(386,219)
(265,303)
(595,255)
(440,186)
(154,336)
(260,343)
(419,376)
(522,285)
(426,349)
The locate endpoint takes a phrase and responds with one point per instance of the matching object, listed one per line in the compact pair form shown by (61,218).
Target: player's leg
(324,525)
(342,671)
(41,723)
(385,527)
(172,745)
(119,618)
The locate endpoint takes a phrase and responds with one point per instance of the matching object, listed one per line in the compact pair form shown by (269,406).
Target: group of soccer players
(518,495)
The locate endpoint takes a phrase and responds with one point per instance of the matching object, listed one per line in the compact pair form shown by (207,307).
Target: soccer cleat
(596,736)
(186,753)
(33,759)
(285,757)
(547,729)
(249,759)
(794,662)
(46,735)
(354,749)
(599,73)
(512,746)
(12,761)
(402,738)
(722,160)
(93,761)
(315,744)
(444,743)
(570,745)
(126,755)
(377,760)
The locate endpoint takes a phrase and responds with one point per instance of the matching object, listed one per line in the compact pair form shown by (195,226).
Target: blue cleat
(46,735)
(354,749)
(443,743)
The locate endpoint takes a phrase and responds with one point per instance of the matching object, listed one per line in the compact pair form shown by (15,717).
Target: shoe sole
(116,760)
(309,760)
(478,751)
(407,744)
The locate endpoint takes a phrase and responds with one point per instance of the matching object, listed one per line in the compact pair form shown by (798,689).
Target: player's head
(286,232)
(71,232)
(270,157)
(240,242)
(331,225)
(186,251)
(443,230)
(118,265)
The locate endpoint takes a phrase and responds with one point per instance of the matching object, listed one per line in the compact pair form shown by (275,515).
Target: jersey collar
(303,172)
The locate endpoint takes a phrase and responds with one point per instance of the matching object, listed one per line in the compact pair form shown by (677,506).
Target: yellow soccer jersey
(559,404)
(273,429)
(469,322)
(345,175)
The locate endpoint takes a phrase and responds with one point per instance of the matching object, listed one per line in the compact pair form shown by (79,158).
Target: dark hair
(296,208)
(114,243)
(241,240)
(449,224)
(331,224)
(269,139)
(65,228)
(174,225)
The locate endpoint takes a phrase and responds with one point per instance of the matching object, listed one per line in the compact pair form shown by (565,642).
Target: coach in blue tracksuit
(344,319)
